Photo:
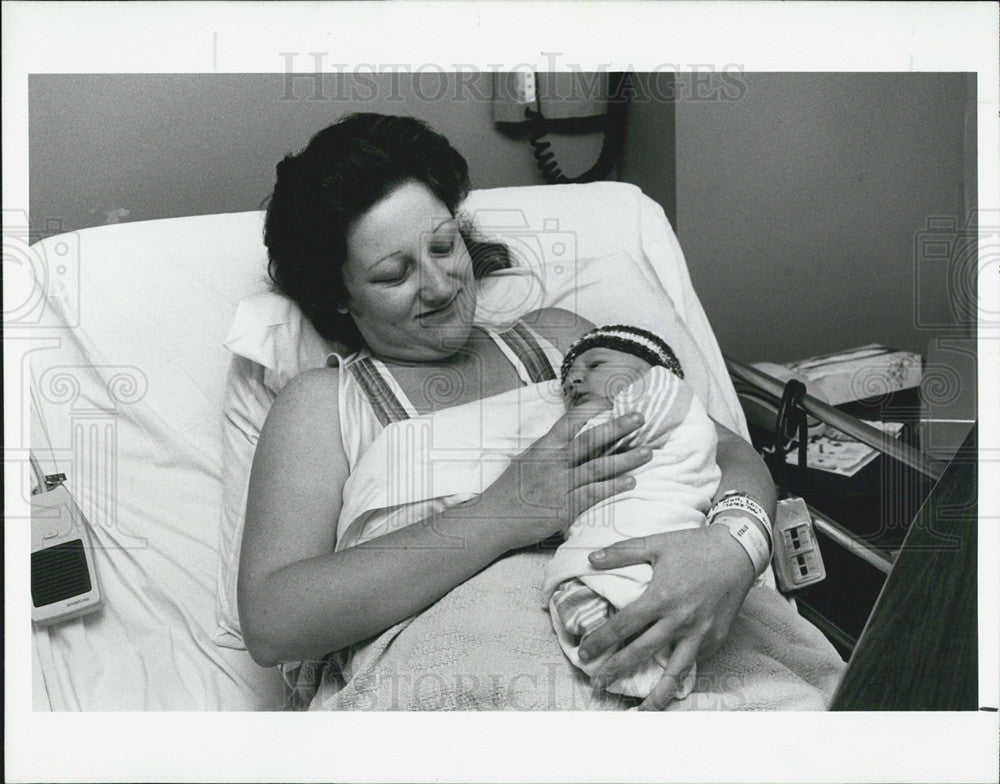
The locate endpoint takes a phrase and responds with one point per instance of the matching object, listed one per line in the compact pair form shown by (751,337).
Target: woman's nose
(436,283)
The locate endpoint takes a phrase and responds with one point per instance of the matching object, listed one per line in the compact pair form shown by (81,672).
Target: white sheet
(131,401)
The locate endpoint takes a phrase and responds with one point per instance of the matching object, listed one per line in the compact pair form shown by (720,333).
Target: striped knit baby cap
(632,340)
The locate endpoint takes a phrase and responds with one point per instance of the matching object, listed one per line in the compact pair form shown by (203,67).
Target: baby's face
(598,374)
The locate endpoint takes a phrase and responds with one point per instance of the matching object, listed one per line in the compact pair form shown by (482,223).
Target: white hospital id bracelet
(750,538)
(743,502)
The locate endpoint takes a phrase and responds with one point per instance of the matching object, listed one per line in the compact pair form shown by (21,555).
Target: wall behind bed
(110,147)
(797,198)
(801,200)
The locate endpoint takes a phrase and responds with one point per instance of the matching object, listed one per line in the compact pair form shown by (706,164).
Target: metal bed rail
(828,415)
(851,542)
(754,384)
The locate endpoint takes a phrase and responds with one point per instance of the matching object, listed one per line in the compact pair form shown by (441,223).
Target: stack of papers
(856,374)
(836,453)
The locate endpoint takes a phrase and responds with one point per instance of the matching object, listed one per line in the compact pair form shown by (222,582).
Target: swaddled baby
(611,371)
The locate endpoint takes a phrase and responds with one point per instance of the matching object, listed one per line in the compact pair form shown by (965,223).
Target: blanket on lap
(489,645)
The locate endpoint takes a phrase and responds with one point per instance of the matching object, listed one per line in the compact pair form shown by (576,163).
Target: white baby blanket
(673,491)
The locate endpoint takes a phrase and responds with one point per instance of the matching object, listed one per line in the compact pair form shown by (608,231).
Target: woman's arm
(298,599)
(560,327)
(700,578)
(743,470)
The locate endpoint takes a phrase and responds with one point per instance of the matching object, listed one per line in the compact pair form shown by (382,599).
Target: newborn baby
(611,371)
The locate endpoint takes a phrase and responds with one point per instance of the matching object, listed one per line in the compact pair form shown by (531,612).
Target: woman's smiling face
(409,277)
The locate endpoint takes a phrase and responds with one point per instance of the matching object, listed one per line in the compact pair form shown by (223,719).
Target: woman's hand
(700,578)
(562,474)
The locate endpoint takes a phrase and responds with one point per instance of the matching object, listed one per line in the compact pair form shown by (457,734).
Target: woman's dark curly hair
(343,171)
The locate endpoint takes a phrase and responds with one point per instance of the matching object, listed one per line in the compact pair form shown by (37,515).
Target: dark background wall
(798,198)
(164,145)
(804,203)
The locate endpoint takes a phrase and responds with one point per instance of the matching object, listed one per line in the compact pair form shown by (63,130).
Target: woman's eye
(395,277)
(442,247)
(595,363)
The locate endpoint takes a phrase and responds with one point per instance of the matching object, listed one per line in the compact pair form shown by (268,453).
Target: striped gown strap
(525,344)
(383,400)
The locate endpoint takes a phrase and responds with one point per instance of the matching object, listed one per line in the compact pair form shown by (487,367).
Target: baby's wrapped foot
(579,608)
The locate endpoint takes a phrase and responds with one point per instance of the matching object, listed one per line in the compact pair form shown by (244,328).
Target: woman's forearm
(309,608)
(743,470)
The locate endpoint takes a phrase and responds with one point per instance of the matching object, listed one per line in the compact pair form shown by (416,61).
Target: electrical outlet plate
(797,560)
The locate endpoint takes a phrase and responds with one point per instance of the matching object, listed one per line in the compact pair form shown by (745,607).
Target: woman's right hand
(562,474)
(700,578)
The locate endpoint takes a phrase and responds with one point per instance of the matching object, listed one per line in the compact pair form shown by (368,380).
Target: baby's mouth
(589,402)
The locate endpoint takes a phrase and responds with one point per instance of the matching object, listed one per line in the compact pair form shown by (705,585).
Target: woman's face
(409,277)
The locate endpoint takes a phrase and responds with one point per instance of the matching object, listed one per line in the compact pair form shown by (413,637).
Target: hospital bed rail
(765,386)
(828,415)
(755,385)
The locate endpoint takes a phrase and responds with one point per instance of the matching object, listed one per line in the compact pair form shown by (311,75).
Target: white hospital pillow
(273,342)
(270,330)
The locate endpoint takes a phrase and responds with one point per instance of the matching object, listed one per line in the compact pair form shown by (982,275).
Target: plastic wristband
(751,539)
(744,503)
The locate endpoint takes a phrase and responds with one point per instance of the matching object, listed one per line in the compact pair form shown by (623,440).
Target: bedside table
(879,502)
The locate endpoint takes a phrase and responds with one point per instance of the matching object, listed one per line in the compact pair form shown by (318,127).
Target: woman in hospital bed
(363,233)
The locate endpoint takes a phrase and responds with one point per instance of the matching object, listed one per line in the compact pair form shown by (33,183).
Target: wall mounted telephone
(564,102)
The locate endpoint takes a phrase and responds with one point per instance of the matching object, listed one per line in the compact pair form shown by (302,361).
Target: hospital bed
(156,348)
